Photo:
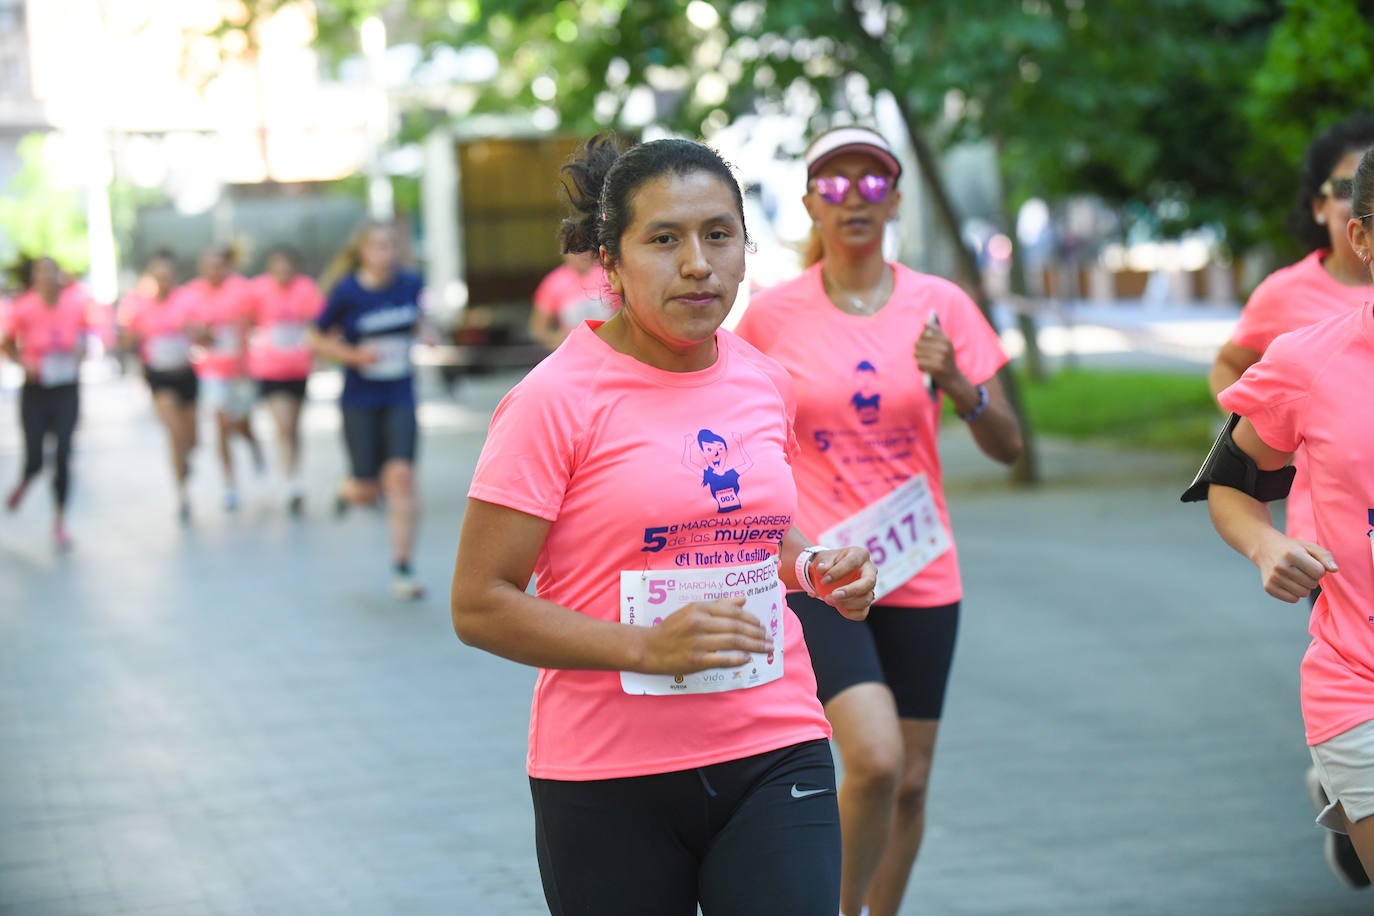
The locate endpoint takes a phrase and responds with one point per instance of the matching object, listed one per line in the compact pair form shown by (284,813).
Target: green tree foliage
(1317,67)
(39,214)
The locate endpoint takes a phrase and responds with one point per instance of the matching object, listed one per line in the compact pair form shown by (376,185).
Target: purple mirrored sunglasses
(834,188)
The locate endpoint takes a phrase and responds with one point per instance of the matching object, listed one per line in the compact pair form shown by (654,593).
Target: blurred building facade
(157,94)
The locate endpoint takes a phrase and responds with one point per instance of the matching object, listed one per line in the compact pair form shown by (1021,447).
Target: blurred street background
(234,716)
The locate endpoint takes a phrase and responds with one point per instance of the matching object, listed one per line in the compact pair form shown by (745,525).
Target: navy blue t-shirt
(383,320)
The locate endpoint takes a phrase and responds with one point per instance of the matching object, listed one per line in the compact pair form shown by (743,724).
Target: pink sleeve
(1272,395)
(527,460)
(1262,319)
(311,292)
(548,295)
(977,348)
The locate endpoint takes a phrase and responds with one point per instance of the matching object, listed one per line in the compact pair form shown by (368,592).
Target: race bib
(902,533)
(287,335)
(58,367)
(647,597)
(226,340)
(393,357)
(168,351)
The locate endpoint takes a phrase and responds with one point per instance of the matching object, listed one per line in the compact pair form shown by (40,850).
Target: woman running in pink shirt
(153,319)
(570,294)
(44,331)
(874,348)
(1311,390)
(285,305)
(221,311)
(1329,281)
(678,754)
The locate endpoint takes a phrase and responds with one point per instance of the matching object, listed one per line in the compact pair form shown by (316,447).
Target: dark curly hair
(600,182)
(1353,134)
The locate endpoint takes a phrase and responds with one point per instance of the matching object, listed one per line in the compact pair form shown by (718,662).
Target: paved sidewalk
(237,718)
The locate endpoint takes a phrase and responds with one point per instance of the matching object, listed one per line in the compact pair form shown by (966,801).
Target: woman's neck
(374,279)
(622,334)
(857,286)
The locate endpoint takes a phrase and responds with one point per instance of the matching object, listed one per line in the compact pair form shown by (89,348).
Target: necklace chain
(864,305)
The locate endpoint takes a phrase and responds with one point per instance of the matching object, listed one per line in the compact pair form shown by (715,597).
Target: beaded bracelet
(979,408)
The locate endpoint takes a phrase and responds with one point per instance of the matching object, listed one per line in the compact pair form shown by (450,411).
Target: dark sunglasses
(1338,188)
(834,189)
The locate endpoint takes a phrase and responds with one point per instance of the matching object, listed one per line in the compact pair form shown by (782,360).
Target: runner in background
(572,293)
(370,322)
(677,750)
(220,311)
(874,349)
(1329,281)
(45,330)
(152,319)
(286,303)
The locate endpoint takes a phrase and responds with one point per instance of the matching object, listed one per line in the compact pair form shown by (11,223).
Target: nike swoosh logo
(803,793)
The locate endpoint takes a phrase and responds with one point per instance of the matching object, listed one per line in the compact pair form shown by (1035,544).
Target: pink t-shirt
(1294,297)
(48,335)
(864,417)
(573,298)
(606,449)
(224,312)
(160,326)
(278,350)
(1311,388)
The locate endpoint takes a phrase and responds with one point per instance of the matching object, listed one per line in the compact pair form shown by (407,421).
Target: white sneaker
(405,588)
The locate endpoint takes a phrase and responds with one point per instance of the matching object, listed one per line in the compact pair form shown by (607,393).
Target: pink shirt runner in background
(1311,389)
(278,349)
(606,449)
(1294,297)
(573,298)
(865,420)
(160,326)
(47,334)
(224,311)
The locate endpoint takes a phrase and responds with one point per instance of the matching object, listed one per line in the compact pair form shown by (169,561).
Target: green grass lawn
(1132,409)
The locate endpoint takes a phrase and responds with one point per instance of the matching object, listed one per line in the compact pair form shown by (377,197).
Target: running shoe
(1337,849)
(296,505)
(61,538)
(231,501)
(12,501)
(184,512)
(405,588)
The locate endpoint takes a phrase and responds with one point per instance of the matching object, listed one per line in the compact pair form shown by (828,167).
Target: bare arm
(1289,568)
(491,610)
(996,431)
(333,346)
(1231,362)
(545,329)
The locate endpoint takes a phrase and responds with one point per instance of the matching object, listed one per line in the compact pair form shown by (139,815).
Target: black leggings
(44,411)
(753,837)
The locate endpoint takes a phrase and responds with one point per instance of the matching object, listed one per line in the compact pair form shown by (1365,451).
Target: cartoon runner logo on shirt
(865,400)
(720,469)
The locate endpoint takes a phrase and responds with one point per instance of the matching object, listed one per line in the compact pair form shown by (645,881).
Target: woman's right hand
(702,635)
(361,357)
(1290,568)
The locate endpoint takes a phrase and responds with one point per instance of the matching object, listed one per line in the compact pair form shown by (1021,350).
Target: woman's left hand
(845,579)
(934,354)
